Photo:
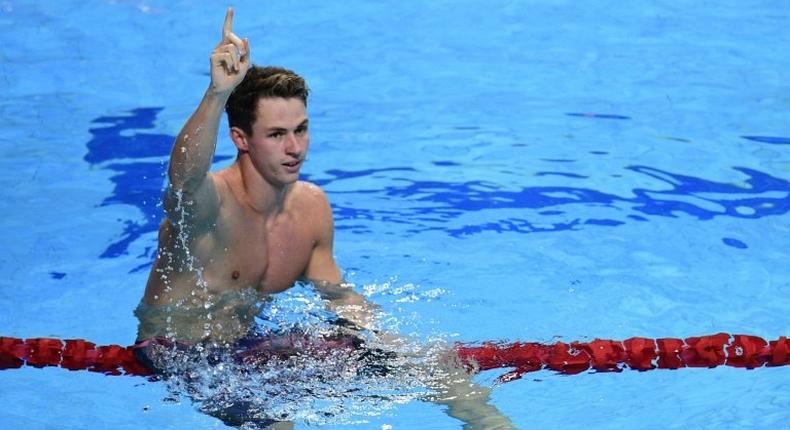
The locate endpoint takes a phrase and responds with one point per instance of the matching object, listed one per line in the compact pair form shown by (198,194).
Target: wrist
(213,92)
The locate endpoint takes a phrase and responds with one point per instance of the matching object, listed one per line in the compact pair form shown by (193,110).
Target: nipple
(235,275)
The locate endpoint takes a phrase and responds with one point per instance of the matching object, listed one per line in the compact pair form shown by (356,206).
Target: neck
(262,196)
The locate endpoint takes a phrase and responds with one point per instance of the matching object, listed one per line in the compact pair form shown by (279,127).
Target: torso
(248,250)
(242,250)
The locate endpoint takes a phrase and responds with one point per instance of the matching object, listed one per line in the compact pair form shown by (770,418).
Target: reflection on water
(441,203)
(775,140)
(138,157)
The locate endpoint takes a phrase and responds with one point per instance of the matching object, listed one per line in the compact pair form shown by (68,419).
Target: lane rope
(599,355)
(637,353)
(71,354)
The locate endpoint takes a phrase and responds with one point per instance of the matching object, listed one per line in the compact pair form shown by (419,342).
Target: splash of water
(300,366)
(199,295)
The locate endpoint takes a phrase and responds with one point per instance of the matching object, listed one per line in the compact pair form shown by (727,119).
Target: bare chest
(269,255)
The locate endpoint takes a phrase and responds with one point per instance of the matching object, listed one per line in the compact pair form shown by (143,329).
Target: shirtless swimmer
(251,229)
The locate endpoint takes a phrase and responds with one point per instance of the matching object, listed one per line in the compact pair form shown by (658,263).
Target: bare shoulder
(309,196)
(311,204)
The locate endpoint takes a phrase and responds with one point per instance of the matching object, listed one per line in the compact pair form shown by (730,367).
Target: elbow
(174,180)
(183,181)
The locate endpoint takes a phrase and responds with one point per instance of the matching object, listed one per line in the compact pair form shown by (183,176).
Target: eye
(276,134)
(301,130)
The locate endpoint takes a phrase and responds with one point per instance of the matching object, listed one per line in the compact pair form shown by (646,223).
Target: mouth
(292,166)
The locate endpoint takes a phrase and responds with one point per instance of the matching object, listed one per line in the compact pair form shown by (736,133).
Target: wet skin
(251,226)
(235,236)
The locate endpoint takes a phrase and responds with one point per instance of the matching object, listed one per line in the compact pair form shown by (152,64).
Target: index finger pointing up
(227,27)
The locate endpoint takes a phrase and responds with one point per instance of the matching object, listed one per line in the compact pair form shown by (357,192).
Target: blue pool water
(498,171)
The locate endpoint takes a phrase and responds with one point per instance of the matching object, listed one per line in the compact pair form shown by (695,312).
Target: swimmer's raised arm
(193,151)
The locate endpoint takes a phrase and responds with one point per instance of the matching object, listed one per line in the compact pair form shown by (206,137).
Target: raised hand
(230,59)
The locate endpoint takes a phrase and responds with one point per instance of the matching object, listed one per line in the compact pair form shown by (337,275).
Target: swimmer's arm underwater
(464,399)
(193,151)
(355,309)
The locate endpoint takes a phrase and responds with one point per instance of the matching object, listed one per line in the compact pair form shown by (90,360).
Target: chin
(286,181)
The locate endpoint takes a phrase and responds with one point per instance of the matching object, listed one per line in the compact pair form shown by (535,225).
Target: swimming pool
(524,171)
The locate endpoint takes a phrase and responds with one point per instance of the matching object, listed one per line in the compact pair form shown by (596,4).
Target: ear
(239,138)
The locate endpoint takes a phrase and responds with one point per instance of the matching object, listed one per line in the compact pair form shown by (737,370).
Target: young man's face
(279,139)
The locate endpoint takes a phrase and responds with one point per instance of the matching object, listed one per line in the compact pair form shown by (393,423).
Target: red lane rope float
(599,355)
(72,354)
(636,353)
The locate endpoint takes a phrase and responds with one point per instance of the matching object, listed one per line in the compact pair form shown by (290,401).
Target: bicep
(322,265)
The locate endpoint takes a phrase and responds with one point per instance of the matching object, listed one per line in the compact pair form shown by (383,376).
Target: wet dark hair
(262,82)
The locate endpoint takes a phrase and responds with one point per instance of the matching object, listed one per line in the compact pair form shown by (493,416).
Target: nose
(292,146)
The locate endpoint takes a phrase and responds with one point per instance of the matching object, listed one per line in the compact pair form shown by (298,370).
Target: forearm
(476,412)
(194,148)
(466,400)
(348,304)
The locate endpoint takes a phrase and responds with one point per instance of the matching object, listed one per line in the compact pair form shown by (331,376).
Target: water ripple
(124,145)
